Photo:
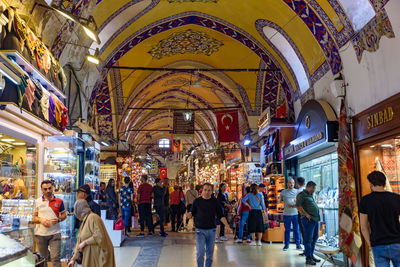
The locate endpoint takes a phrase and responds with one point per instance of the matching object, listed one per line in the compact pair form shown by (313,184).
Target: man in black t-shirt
(159,193)
(382,210)
(205,210)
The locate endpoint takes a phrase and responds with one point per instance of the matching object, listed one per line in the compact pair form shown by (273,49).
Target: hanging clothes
(59,109)
(52,109)
(21,89)
(45,104)
(30,93)
(379,167)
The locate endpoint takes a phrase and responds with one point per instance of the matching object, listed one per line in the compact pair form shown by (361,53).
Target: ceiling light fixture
(387,145)
(19,143)
(93,59)
(247,141)
(8,140)
(104,143)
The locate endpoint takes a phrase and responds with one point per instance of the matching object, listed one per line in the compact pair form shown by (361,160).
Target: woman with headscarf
(112,200)
(93,241)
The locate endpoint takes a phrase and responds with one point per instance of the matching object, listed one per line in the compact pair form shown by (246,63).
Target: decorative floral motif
(368,38)
(188,41)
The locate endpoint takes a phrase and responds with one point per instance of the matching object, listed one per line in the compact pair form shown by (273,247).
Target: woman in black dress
(112,201)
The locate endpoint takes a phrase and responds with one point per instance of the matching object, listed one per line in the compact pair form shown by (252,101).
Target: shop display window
(61,163)
(385,157)
(17,197)
(92,166)
(324,172)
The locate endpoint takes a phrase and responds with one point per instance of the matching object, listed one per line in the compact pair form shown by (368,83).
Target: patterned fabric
(369,37)
(125,195)
(349,231)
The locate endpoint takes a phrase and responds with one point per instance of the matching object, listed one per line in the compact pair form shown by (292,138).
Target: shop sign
(381,117)
(234,157)
(153,167)
(108,168)
(295,147)
(265,119)
(181,126)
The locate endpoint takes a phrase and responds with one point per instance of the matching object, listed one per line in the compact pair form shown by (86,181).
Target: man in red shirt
(174,200)
(49,211)
(144,196)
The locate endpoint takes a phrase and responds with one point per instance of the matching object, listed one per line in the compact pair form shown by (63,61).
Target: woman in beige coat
(93,240)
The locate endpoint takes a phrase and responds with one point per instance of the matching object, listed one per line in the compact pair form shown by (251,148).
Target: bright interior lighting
(7,140)
(65,15)
(19,143)
(246,141)
(91,34)
(387,145)
(93,59)
(105,144)
(8,76)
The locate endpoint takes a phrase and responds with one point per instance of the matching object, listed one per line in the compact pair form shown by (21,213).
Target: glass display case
(324,172)
(61,166)
(17,197)
(92,165)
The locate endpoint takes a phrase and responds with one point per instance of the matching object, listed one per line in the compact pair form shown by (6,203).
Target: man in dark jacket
(159,193)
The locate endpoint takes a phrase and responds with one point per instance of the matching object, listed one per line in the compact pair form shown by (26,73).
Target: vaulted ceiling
(300,38)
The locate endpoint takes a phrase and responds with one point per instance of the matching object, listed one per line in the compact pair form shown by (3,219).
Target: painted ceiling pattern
(324,25)
(188,41)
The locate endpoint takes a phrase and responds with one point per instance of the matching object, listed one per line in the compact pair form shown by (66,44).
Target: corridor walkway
(179,250)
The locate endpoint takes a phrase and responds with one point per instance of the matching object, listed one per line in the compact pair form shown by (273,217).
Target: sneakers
(248,241)
(253,243)
(310,262)
(239,241)
(299,247)
(302,254)
(223,238)
(163,234)
(259,243)
(140,235)
(285,248)
(315,259)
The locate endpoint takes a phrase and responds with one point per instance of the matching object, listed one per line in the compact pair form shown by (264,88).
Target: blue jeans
(205,240)
(291,220)
(311,230)
(243,220)
(383,254)
(126,215)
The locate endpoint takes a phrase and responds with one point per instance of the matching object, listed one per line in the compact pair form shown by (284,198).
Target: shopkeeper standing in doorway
(49,211)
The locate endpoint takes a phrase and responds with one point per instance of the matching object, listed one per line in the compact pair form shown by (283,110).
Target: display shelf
(22,62)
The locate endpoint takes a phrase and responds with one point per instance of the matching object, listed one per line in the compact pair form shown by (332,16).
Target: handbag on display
(119,225)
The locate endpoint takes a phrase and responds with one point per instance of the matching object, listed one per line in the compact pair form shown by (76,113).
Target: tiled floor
(179,250)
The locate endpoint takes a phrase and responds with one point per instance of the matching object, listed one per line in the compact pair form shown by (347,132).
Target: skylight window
(360,12)
(163,143)
(286,49)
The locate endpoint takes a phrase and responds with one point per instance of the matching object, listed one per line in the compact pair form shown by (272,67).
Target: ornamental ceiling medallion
(188,41)
(182,1)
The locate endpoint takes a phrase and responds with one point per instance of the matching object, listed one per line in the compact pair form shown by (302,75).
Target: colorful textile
(52,109)
(349,231)
(125,196)
(21,88)
(30,93)
(45,104)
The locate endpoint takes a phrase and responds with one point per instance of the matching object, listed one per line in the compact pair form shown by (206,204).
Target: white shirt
(43,209)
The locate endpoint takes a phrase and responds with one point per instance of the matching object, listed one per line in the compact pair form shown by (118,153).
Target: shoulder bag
(264,214)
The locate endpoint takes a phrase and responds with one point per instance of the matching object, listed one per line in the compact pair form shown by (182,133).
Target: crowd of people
(213,214)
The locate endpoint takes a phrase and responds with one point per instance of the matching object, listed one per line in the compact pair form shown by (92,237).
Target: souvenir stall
(92,165)
(63,166)
(31,103)
(276,133)
(377,145)
(124,168)
(313,155)
(235,172)
(107,172)
(209,174)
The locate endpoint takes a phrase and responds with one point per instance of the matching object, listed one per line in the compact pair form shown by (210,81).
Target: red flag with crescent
(163,173)
(228,125)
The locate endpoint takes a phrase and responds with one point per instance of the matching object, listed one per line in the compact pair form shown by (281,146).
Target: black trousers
(145,215)
(301,227)
(175,214)
(161,212)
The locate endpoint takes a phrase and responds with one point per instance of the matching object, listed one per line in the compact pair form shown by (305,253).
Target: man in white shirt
(290,213)
(49,211)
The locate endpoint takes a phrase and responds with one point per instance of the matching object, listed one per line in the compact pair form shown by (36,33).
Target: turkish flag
(163,173)
(228,125)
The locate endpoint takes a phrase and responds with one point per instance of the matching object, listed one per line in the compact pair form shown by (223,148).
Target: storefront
(377,145)
(313,155)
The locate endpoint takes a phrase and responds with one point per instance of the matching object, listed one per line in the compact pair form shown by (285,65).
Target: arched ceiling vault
(225,34)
